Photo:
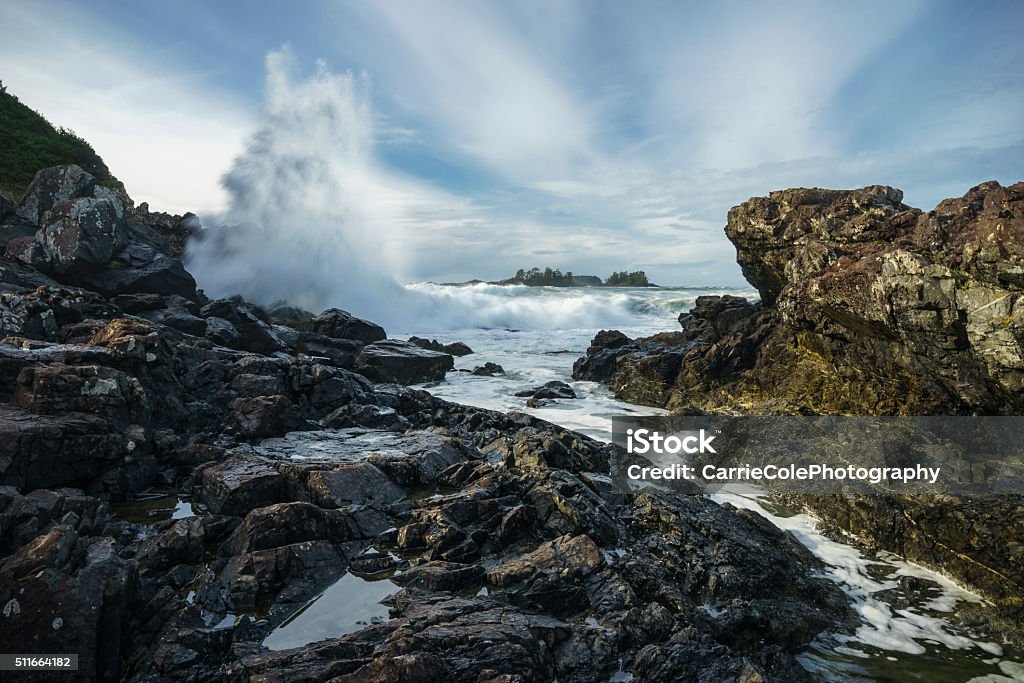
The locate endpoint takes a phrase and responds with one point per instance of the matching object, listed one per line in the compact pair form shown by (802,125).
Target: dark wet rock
(454,348)
(96,389)
(181,544)
(965,536)
(25,517)
(410,459)
(29,355)
(341,353)
(340,324)
(50,451)
(600,362)
(291,316)
(180,319)
(368,416)
(50,187)
(284,524)
(139,268)
(262,416)
(81,235)
(302,568)
(352,484)
(248,327)
(62,593)
(551,578)
(237,485)
(488,369)
(553,389)
(402,363)
(438,576)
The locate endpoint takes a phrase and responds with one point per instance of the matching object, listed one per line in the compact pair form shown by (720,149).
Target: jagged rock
(50,187)
(62,593)
(553,389)
(454,349)
(95,389)
(50,451)
(488,369)
(238,485)
(340,324)
(24,517)
(80,235)
(369,416)
(354,484)
(182,543)
(341,353)
(868,307)
(600,362)
(250,324)
(402,363)
(262,416)
(291,316)
(142,269)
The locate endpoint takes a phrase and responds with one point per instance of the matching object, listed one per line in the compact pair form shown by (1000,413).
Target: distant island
(535,277)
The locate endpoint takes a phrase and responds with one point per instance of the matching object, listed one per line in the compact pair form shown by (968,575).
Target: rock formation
(868,307)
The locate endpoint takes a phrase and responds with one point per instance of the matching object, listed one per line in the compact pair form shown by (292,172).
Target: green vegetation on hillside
(28,143)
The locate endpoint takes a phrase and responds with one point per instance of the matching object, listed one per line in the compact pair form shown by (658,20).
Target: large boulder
(79,235)
(66,594)
(248,326)
(867,307)
(50,187)
(402,363)
(139,268)
(340,324)
(49,451)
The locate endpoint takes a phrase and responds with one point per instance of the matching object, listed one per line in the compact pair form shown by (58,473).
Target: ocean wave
(483,305)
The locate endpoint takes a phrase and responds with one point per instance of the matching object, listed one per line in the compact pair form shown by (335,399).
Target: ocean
(908,627)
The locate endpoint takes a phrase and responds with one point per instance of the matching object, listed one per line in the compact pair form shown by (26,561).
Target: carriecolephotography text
(511,342)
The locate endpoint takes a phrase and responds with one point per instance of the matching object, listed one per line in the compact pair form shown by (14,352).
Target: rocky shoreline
(512,552)
(868,307)
(509,548)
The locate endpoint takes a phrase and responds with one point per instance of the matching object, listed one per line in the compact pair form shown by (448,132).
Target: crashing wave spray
(313,220)
(307,220)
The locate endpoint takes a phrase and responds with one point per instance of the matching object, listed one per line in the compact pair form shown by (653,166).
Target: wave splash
(308,219)
(447,307)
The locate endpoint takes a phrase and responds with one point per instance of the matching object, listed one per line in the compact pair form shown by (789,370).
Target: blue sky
(593,136)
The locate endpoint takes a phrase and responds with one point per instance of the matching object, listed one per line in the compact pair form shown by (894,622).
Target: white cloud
(165,132)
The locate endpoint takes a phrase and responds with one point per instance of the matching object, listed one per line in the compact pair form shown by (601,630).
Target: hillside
(28,142)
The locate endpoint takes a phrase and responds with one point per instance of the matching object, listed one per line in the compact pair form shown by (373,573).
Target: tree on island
(636,278)
(535,277)
(553,277)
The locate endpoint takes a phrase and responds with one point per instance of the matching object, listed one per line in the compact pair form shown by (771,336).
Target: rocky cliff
(868,307)
(300,458)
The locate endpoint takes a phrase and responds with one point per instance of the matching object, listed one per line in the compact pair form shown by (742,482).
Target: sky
(590,136)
